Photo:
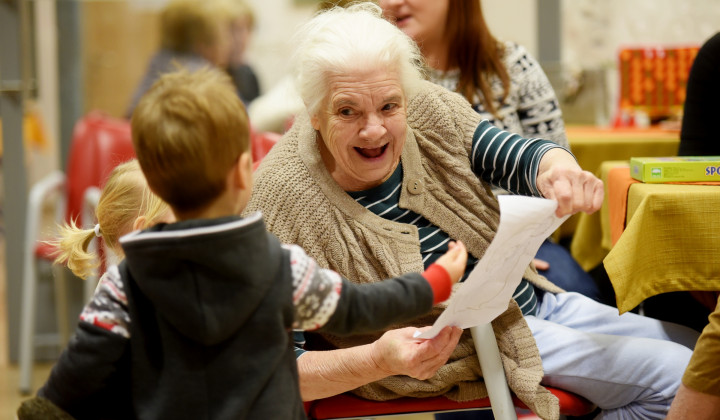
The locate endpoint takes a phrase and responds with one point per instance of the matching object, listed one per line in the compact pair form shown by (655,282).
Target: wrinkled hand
(454,261)
(560,178)
(398,353)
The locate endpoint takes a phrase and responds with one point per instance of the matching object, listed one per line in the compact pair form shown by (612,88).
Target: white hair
(341,40)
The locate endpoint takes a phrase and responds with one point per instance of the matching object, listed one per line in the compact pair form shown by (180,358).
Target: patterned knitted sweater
(302,204)
(531,108)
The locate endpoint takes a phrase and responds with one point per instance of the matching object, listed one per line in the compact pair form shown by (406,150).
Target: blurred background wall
(119,37)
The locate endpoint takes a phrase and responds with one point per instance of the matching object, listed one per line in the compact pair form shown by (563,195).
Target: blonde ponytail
(125,197)
(72,249)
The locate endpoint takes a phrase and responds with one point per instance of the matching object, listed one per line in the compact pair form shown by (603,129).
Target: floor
(10,397)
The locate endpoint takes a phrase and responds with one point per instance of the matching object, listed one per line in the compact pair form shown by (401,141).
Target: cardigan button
(415,186)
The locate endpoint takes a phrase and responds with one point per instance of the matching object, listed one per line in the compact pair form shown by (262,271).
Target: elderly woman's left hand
(560,178)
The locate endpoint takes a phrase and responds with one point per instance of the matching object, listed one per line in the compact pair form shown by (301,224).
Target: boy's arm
(93,366)
(323,299)
(375,306)
(86,370)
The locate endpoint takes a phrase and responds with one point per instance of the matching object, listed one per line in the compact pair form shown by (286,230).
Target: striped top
(498,157)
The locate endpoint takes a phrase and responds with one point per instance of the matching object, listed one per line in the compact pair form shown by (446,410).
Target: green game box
(675,169)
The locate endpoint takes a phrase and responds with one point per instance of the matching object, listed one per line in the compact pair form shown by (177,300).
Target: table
(671,242)
(594,145)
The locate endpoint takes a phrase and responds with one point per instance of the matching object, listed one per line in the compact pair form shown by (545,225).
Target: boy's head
(189,132)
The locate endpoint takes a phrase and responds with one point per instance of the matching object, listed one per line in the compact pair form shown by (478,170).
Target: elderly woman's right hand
(397,352)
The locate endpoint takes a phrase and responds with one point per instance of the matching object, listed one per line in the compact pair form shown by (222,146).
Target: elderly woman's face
(362,127)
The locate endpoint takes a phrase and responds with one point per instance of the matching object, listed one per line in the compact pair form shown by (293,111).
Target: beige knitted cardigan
(302,204)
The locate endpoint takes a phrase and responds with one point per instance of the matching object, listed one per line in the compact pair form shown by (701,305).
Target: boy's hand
(454,261)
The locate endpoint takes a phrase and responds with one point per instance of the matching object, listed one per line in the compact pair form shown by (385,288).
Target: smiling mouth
(401,20)
(371,153)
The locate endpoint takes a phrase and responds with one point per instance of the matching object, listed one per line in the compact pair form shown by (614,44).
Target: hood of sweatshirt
(206,277)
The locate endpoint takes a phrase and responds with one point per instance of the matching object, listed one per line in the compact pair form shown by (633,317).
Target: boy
(211,299)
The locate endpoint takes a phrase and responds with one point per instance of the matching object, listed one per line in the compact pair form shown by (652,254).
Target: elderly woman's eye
(389,107)
(346,111)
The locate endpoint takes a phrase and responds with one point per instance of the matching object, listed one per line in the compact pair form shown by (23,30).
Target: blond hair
(124,198)
(234,9)
(188,131)
(187,24)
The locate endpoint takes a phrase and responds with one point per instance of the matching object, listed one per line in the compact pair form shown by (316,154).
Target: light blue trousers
(629,365)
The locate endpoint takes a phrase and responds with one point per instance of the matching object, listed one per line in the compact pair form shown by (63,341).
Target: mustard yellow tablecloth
(671,243)
(592,145)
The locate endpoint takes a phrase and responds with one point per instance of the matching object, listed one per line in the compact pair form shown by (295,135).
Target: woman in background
(504,84)
(242,25)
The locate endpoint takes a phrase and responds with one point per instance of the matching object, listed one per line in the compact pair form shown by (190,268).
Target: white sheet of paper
(525,222)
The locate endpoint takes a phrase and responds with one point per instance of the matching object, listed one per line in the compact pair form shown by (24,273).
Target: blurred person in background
(203,33)
(275,109)
(697,135)
(242,25)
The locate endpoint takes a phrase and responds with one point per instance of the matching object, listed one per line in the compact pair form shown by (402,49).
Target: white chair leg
(51,182)
(493,372)
(27,321)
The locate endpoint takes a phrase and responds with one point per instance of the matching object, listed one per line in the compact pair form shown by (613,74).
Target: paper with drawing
(525,222)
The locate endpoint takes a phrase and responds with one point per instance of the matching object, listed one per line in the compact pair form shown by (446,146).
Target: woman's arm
(397,352)
(534,167)
(507,160)
(690,404)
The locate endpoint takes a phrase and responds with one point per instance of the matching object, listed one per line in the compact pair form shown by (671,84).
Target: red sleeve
(440,282)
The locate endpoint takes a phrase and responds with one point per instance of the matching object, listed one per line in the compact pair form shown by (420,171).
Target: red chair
(261,143)
(348,406)
(99,144)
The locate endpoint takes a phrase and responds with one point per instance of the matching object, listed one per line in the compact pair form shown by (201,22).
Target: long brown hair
(475,52)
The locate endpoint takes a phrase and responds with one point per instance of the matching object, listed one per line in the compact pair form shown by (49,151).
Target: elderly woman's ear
(315,122)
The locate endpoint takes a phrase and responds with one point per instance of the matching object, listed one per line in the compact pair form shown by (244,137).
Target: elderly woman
(383,171)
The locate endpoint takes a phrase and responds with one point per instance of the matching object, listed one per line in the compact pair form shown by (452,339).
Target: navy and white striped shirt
(498,157)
